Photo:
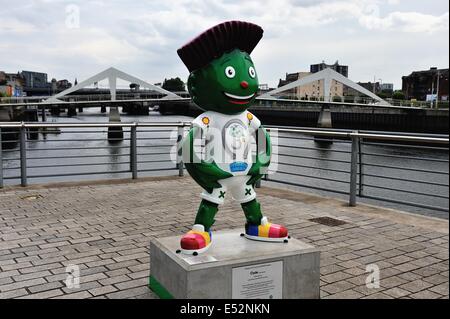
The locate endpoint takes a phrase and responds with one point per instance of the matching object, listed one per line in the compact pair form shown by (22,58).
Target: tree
(134,86)
(349,99)
(173,85)
(398,95)
(382,95)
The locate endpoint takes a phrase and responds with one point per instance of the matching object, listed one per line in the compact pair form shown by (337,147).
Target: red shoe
(196,241)
(266,231)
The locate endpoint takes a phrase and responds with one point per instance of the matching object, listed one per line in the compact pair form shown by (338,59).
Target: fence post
(180,164)
(23,156)
(353,168)
(361,168)
(1,160)
(133,151)
(258,182)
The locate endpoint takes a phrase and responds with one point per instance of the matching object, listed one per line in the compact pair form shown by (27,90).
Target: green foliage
(173,85)
(387,93)
(337,98)
(349,98)
(398,95)
(382,95)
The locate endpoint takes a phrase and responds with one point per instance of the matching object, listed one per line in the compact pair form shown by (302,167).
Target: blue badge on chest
(238,166)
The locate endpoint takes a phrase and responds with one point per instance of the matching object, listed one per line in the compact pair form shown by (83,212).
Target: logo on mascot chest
(238,167)
(235,136)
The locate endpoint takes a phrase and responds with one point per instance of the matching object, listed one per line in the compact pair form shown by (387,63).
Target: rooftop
(105,228)
(430,71)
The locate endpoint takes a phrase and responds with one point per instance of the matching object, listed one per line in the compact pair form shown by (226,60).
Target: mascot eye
(252,72)
(230,72)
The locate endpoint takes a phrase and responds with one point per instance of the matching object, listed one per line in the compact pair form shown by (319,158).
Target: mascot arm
(262,161)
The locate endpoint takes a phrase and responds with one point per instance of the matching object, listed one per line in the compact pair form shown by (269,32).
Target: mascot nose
(244,84)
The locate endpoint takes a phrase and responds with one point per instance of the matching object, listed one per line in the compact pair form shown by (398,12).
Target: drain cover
(328,221)
(31,197)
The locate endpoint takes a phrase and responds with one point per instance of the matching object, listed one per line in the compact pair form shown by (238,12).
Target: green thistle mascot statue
(224,83)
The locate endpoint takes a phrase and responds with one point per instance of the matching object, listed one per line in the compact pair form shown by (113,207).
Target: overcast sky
(384,39)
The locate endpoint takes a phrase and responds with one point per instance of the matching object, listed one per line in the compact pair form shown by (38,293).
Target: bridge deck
(105,228)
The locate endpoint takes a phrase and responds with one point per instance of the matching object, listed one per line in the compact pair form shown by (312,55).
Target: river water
(298,159)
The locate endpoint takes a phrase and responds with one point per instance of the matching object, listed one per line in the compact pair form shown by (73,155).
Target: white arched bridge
(270,104)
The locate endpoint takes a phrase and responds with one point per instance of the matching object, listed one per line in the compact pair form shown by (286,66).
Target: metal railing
(149,96)
(134,153)
(358,101)
(359,164)
(98,97)
(367,165)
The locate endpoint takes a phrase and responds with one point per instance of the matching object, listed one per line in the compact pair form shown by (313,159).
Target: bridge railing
(403,169)
(338,101)
(291,100)
(98,97)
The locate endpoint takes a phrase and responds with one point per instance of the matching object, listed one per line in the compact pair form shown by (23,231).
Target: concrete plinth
(235,267)
(115,134)
(325,120)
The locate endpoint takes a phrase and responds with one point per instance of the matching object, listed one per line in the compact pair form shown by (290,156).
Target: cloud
(407,22)
(366,13)
(10,26)
(142,37)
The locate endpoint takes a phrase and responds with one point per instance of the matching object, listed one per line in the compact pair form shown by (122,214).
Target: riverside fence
(413,172)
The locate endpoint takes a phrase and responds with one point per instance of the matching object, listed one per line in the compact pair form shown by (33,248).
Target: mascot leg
(199,239)
(258,227)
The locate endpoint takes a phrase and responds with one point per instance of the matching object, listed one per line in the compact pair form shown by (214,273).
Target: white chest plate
(229,140)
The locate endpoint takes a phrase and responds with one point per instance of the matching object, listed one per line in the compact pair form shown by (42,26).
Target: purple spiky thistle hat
(222,38)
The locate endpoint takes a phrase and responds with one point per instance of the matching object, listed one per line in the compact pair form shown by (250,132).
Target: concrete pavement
(104,228)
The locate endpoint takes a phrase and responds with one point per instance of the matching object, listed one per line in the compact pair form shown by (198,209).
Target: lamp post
(432,92)
(437,89)
(374,81)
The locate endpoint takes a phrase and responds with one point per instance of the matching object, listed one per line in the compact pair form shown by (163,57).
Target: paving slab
(104,228)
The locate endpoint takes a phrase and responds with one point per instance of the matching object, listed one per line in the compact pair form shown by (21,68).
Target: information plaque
(262,281)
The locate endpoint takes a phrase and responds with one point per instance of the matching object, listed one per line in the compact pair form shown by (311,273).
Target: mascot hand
(207,174)
(262,161)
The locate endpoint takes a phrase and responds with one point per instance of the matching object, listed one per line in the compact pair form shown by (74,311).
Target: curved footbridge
(104,228)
